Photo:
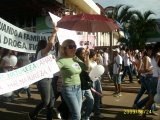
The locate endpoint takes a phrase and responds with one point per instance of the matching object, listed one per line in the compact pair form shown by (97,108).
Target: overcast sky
(142,5)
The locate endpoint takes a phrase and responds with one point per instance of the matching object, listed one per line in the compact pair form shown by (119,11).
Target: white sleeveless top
(155,67)
(150,66)
(39,56)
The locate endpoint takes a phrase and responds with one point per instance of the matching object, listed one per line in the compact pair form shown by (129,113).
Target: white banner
(14,38)
(31,73)
(64,34)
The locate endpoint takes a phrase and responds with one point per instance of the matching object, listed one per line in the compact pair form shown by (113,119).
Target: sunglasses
(71,46)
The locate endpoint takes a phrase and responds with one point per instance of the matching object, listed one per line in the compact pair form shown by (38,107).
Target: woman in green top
(70,68)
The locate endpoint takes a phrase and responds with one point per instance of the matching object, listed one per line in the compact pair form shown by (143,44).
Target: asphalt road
(114,108)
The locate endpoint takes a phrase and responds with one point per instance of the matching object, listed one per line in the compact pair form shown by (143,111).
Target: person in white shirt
(106,63)
(127,68)
(117,66)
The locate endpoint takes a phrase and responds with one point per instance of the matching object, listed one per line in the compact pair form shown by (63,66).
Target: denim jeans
(142,89)
(145,83)
(47,98)
(63,109)
(142,102)
(88,104)
(73,97)
(97,86)
(153,86)
(127,69)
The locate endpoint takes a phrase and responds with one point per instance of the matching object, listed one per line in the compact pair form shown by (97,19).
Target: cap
(116,50)
(136,51)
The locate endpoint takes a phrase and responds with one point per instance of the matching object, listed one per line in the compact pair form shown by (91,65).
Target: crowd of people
(144,65)
(73,84)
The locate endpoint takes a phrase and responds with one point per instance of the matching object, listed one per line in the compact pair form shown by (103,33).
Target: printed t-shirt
(70,71)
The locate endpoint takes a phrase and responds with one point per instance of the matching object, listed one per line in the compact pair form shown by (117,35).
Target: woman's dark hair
(41,45)
(147,48)
(154,50)
(78,53)
(92,53)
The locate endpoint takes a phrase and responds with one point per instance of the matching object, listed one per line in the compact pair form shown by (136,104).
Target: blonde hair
(63,47)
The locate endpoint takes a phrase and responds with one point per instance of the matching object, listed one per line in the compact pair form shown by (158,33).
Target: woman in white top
(153,82)
(145,70)
(96,85)
(44,86)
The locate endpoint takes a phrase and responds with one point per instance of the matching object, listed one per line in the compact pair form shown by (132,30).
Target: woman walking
(44,86)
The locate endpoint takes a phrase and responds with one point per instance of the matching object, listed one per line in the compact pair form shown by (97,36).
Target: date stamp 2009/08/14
(136,111)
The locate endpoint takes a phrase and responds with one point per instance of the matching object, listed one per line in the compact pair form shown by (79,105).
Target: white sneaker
(57,113)
(119,94)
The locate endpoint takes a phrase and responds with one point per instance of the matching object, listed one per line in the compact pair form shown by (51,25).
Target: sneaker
(119,94)
(32,118)
(57,113)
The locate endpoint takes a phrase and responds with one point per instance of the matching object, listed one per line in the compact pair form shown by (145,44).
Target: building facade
(32,15)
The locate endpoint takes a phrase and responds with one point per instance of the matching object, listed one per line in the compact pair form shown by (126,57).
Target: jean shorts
(117,78)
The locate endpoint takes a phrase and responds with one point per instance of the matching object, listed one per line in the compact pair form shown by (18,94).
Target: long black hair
(41,45)
(79,52)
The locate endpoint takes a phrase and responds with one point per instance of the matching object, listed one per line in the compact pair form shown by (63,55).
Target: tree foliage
(134,24)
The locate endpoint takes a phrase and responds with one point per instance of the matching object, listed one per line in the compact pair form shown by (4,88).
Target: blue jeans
(127,69)
(153,86)
(47,98)
(73,97)
(97,86)
(88,104)
(145,83)
(142,89)
(142,102)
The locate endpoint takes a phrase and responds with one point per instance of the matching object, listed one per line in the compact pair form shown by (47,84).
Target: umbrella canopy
(87,23)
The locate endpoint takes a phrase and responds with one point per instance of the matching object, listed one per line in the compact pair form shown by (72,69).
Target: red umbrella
(87,23)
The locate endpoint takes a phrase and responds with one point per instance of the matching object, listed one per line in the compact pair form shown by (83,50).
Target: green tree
(121,14)
(139,26)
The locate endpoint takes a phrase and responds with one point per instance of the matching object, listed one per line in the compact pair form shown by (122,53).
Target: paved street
(114,108)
